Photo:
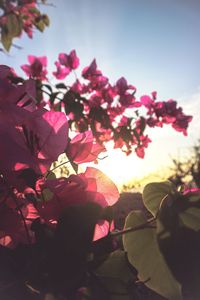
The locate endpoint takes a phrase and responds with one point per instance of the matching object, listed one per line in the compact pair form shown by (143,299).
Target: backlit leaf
(144,254)
(14,25)
(154,193)
(6,40)
(116,275)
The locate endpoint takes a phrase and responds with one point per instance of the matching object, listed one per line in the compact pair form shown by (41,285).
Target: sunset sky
(154,44)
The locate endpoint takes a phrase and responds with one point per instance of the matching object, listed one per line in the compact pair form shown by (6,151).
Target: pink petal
(104,185)
(31,59)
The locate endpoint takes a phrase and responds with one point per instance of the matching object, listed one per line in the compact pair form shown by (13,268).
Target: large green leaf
(154,193)
(13,28)
(178,236)
(14,25)
(116,275)
(191,218)
(144,254)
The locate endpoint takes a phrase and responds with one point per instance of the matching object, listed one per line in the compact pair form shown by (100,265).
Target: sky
(154,44)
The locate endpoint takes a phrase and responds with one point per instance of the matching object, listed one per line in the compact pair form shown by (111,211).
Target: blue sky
(155,44)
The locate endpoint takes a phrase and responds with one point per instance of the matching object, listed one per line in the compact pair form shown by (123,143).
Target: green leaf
(53,97)
(40,25)
(116,275)
(144,254)
(46,20)
(60,86)
(48,87)
(13,28)
(191,218)
(14,25)
(6,40)
(178,236)
(154,193)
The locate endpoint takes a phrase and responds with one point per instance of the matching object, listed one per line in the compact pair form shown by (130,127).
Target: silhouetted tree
(188,170)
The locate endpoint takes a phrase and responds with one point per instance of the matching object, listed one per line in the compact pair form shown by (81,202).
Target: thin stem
(132,229)
(45,4)
(22,217)
(50,94)
(17,46)
(49,172)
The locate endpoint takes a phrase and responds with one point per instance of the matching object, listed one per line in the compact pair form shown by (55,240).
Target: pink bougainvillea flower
(91,186)
(97,80)
(70,61)
(146,101)
(35,144)
(108,94)
(126,98)
(102,228)
(102,185)
(191,191)
(140,151)
(82,148)
(143,143)
(61,71)
(40,133)
(122,86)
(16,100)
(128,101)
(181,123)
(90,71)
(36,68)
(79,87)
(154,95)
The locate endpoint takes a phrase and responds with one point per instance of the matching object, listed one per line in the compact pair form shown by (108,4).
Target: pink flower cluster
(33,137)
(92,102)
(160,113)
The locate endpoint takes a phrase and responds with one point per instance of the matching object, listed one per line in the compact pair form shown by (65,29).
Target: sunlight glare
(120,167)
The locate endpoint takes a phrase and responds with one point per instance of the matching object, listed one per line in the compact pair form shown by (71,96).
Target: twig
(48,173)
(22,217)
(132,229)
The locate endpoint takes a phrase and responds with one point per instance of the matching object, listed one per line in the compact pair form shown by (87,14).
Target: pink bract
(70,61)
(61,72)
(91,186)
(82,148)
(37,68)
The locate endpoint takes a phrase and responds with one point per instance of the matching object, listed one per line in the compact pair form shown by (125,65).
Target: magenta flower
(36,68)
(97,80)
(82,148)
(147,101)
(70,61)
(122,86)
(181,123)
(91,186)
(61,72)
(90,71)
(31,144)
